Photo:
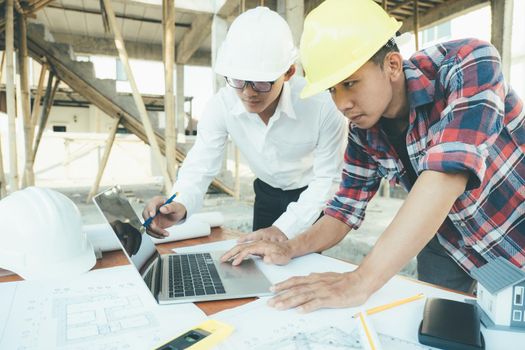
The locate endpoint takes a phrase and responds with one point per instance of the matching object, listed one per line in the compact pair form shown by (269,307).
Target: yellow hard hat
(340,36)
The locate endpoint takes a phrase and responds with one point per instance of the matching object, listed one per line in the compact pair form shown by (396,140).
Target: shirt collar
(285,105)
(420,89)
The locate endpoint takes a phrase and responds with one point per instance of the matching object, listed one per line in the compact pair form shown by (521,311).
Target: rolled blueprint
(191,228)
(103,239)
(213,218)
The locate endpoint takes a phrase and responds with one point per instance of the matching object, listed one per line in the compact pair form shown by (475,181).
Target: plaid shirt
(463,118)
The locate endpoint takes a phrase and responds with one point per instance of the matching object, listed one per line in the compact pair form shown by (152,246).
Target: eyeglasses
(258,86)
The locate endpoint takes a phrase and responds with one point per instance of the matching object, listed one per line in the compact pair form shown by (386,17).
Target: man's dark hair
(379,56)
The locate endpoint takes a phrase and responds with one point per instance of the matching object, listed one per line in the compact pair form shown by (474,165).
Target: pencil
(377,309)
(150,219)
(369,333)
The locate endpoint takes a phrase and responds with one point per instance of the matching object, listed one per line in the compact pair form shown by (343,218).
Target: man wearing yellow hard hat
(293,146)
(444,124)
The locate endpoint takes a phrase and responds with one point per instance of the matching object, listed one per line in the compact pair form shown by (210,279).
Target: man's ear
(393,64)
(289,73)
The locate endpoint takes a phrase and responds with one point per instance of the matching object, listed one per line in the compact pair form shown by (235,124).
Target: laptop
(177,278)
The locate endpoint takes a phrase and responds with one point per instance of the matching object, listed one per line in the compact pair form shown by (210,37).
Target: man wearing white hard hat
(293,146)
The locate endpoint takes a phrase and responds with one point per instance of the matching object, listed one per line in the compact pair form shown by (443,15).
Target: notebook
(177,278)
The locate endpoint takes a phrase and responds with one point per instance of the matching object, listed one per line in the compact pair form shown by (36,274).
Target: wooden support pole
(3,188)
(10,96)
(3,185)
(416,24)
(104,161)
(501,31)
(36,103)
(400,5)
(2,65)
(29,177)
(48,103)
(237,178)
(170,133)
(37,5)
(119,42)
(237,189)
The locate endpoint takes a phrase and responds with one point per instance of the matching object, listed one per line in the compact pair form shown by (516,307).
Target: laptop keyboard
(193,275)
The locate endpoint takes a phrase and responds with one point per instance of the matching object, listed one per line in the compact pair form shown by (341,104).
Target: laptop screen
(126,225)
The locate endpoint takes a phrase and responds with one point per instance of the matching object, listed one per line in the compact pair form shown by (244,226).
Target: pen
(391,305)
(150,219)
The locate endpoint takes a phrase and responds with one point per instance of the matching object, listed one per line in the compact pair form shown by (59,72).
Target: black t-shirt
(400,145)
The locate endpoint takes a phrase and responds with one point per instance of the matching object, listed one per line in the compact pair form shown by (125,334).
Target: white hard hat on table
(41,236)
(258,47)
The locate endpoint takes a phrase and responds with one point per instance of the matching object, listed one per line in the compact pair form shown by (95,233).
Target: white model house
(501,293)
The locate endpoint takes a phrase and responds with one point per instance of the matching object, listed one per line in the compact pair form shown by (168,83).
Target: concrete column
(219,28)
(179,94)
(501,36)
(295,17)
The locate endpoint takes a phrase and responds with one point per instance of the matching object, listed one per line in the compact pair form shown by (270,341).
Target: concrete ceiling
(80,24)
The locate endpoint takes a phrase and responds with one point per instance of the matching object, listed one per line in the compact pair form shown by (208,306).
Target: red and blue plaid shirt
(463,118)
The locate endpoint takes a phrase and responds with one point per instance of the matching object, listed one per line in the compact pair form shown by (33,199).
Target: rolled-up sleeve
(473,117)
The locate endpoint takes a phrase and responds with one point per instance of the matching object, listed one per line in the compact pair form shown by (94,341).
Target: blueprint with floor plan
(283,330)
(103,309)
(259,327)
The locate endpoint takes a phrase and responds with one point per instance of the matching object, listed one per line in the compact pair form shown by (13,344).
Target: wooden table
(117,258)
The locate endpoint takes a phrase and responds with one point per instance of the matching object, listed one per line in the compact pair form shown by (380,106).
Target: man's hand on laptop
(271,252)
(271,233)
(169,215)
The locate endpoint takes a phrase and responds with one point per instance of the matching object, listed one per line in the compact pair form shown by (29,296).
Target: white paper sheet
(102,309)
(7,294)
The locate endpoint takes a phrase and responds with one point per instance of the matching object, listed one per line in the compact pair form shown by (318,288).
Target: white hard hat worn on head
(42,236)
(258,47)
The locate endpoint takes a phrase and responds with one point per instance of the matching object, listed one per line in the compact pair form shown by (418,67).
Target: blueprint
(259,327)
(103,309)
(284,330)
(292,339)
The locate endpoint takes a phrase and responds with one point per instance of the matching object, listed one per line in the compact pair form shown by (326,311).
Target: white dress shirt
(302,145)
